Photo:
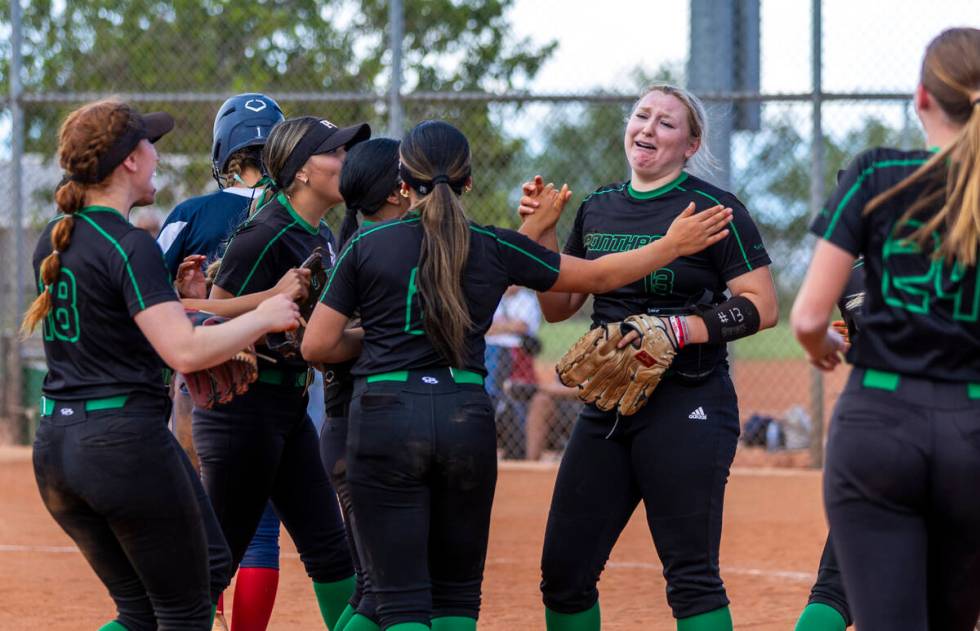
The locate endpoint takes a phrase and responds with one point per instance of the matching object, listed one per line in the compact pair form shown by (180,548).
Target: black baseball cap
(152,127)
(322,137)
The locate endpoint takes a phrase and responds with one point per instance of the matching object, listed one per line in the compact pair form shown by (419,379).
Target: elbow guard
(733,319)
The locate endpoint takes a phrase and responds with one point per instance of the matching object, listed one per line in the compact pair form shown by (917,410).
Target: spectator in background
(511,343)
(148,219)
(551,414)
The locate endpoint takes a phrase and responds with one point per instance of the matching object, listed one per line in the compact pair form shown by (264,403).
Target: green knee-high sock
(588,620)
(214,612)
(410,626)
(361,623)
(112,626)
(345,617)
(717,620)
(332,598)
(820,617)
(454,623)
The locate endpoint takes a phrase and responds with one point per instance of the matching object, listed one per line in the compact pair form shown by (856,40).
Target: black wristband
(733,319)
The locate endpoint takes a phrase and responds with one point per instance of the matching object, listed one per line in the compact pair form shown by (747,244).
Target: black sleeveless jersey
(616,218)
(921,315)
(110,272)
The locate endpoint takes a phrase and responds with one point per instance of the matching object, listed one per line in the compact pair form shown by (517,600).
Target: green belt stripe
(398,375)
(973,390)
(92,405)
(276,377)
(466,376)
(880,380)
(459,376)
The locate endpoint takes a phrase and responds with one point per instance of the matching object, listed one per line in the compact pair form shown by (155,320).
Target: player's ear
(692,148)
(468,185)
(922,98)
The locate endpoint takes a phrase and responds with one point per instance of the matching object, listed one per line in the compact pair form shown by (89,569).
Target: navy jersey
(201,225)
(617,218)
(376,272)
(921,315)
(274,241)
(110,272)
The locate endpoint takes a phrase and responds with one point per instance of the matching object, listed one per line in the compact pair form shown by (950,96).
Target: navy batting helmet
(242,121)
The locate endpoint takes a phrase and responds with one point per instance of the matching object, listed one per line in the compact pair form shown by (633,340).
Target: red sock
(221,604)
(255,594)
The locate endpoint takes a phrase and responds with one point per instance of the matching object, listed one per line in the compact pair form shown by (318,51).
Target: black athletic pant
(674,454)
(422,462)
(119,484)
(901,489)
(333,453)
(829,588)
(263,446)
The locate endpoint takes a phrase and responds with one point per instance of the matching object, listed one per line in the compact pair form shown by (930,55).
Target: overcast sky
(869,45)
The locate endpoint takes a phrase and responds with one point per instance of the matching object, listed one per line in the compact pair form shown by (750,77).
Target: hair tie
(442,178)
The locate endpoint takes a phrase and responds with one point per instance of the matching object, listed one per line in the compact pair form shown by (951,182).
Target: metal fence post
(14,375)
(816,200)
(396,34)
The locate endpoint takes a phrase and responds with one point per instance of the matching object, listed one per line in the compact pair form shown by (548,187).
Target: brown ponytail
(436,163)
(951,75)
(86,134)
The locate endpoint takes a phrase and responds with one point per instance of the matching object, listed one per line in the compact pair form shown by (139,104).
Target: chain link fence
(574,138)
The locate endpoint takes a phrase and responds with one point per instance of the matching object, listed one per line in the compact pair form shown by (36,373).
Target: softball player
(369,186)
(202,226)
(827,608)
(675,453)
(263,445)
(903,459)
(109,471)
(421,452)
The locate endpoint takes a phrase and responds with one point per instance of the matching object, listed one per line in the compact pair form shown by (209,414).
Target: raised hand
(530,191)
(548,204)
(690,233)
(191,281)
(294,284)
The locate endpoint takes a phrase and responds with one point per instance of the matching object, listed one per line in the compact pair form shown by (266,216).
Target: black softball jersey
(110,272)
(275,240)
(616,218)
(376,275)
(921,314)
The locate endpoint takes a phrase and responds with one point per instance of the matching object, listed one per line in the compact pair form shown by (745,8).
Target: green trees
(200,51)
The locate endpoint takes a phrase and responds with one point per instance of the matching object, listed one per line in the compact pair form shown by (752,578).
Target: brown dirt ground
(774,531)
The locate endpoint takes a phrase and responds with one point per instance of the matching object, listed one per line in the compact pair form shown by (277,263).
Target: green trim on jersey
(857,185)
(98,228)
(258,260)
(611,189)
(738,238)
(515,247)
(354,240)
(281,197)
(657,192)
(412,290)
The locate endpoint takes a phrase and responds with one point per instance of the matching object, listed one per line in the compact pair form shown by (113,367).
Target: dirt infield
(774,531)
